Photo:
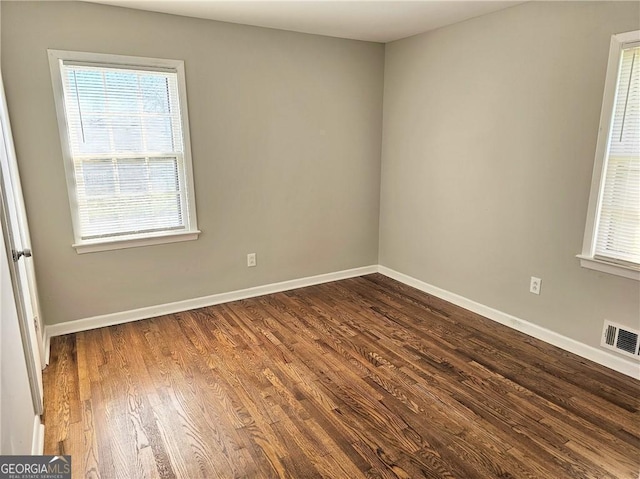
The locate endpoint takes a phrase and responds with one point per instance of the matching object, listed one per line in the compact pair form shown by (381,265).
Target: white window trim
(132,242)
(587,259)
(129,241)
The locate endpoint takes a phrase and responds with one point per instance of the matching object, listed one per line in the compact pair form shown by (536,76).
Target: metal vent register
(621,339)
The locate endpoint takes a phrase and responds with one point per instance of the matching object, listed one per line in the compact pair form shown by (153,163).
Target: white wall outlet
(251,260)
(535,285)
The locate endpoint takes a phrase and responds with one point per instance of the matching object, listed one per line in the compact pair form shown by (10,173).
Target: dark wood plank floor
(358,378)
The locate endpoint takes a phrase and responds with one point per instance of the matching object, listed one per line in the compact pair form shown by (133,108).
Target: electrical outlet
(251,260)
(535,285)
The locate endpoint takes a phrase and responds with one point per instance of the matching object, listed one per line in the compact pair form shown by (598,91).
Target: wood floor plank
(360,378)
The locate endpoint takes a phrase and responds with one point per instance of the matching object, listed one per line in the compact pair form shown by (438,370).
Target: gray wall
(489,138)
(285,133)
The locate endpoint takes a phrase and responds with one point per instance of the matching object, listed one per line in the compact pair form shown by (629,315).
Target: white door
(18,246)
(20,431)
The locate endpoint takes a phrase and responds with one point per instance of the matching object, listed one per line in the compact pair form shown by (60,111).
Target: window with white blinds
(612,236)
(618,229)
(125,136)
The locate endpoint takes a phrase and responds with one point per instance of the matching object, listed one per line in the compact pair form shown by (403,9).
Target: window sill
(134,242)
(607,267)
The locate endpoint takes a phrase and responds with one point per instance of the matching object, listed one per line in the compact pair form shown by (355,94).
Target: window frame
(191,232)
(587,257)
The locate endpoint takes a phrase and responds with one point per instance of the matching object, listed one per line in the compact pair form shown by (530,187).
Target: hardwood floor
(364,377)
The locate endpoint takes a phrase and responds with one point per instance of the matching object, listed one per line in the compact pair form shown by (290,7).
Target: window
(125,140)
(612,234)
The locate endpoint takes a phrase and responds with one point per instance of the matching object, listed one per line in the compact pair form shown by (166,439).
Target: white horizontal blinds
(126,142)
(618,234)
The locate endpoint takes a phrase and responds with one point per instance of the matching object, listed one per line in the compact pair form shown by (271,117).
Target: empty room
(339,239)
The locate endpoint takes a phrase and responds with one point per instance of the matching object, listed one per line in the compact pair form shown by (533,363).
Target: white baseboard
(47,346)
(37,441)
(179,306)
(596,355)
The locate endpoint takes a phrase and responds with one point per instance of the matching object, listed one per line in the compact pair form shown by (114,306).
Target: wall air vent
(621,339)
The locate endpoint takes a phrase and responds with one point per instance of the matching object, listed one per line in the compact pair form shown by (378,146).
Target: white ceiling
(377,21)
